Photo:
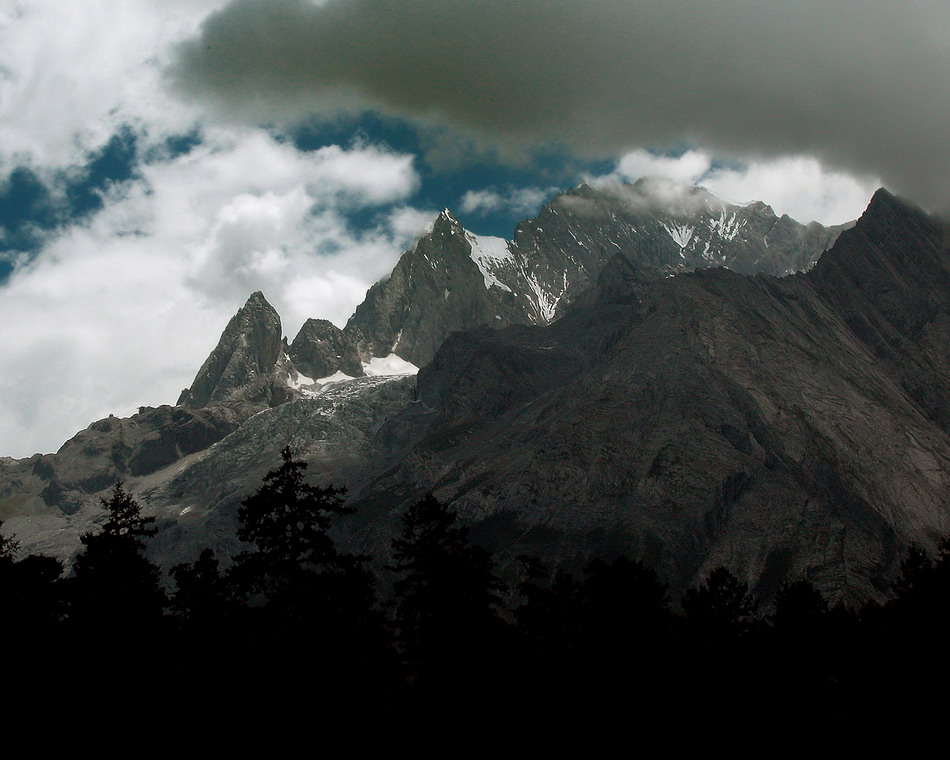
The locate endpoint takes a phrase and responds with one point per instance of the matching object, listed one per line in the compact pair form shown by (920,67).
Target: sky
(160,160)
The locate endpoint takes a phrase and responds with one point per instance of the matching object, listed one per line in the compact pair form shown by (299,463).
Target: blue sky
(162,159)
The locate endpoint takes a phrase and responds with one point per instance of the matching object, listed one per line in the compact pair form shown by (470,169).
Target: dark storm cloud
(862,84)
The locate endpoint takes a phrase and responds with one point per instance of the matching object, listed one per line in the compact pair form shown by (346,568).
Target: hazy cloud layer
(524,201)
(860,84)
(797,186)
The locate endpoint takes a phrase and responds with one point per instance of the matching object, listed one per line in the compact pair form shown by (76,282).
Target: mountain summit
(245,356)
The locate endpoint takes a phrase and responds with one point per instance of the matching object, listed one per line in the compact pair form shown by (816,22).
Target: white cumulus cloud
(121,310)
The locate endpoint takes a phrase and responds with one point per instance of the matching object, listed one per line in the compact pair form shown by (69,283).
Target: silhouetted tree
(9,546)
(625,601)
(202,596)
(723,647)
(114,583)
(287,520)
(721,606)
(806,660)
(315,616)
(446,601)
(799,608)
(31,608)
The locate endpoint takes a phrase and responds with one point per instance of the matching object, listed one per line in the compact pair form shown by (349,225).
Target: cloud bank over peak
(798,186)
(857,84)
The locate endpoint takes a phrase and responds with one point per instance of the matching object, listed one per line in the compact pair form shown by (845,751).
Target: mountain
(780,426)
(455,280)
(581,390)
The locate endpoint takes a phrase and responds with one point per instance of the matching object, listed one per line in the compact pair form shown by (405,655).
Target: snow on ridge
(490,254)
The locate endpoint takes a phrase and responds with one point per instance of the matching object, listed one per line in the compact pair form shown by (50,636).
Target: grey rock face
(243,359)
(320,350)
(108,450)
(453,280)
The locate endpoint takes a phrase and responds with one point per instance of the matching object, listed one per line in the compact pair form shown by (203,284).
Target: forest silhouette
(295,627)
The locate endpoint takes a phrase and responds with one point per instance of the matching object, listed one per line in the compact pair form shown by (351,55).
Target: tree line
(295,626)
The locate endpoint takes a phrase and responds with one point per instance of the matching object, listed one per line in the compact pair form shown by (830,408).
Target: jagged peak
(884,204)
(257,297)
(248,348)
(313,322)
(883,200)
(445,222)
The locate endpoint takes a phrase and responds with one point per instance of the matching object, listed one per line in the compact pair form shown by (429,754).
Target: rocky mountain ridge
(784,426)
(454,280)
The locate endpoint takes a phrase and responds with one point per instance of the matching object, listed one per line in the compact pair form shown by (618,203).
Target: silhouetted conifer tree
(8,547)
(31,609)
(315,616)
(115,584)
(722,645)
(721,606)
(287,521)
(624,614)
(799,608)
(202,597)
(116,606)
(805,665)
(446,603)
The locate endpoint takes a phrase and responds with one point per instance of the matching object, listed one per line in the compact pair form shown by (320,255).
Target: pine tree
(313,616)
(721,606)
(114,583)
(446,601)
(287,521)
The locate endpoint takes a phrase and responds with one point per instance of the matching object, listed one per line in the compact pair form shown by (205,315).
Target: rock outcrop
(320,350)
(243,360)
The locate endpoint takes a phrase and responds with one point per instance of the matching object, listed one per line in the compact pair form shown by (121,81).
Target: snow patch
(727,226)
(296,380)
(579,242)
(389,365)
(547,304)
(681,233)
(336,377)
(490,254)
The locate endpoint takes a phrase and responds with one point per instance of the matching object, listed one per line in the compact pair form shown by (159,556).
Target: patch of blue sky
(32,205)
(444,186)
